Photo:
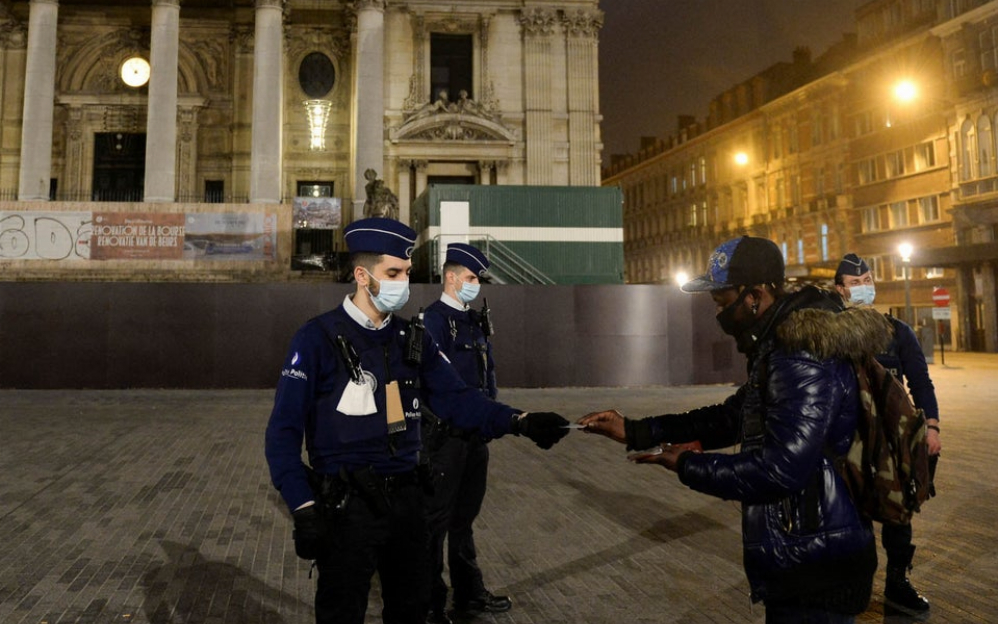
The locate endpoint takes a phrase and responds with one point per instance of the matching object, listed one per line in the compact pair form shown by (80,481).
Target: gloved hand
(308,532)
(544,428)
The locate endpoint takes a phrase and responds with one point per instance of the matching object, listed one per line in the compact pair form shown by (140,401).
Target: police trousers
(361,541)
(451,512)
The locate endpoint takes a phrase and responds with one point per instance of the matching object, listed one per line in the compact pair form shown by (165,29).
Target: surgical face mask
(392,295)
(468,291)
(862,295)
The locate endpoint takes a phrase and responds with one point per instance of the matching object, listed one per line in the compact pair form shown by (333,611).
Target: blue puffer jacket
(804,541)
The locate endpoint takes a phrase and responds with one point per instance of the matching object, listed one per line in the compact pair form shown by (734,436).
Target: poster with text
(35,235)
(137,236)
(230,236)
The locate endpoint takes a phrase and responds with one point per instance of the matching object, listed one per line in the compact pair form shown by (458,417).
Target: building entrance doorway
(119,166)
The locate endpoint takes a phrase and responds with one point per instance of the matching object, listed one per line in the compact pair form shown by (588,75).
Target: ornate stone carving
(583,23)
(13,35)
(538,22)
(242,38)
(381,201)
(211,56)
(416,88)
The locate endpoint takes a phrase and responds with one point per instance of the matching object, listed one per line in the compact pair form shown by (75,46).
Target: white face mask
(392,294)
(862,295)
(468,291)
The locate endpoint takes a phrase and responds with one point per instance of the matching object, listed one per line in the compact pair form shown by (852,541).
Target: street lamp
(681,278)
(905,249)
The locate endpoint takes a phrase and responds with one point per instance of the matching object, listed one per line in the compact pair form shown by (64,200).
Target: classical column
(582,28)
(538,27)
(268,102)
(39,100)
(405,190)
(369,87)
(161,123)
(421,177)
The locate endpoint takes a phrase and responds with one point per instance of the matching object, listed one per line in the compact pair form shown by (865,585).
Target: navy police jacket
(906,361)
(460,336)
(313,380)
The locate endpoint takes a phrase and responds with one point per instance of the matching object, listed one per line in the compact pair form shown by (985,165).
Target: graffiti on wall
(66,236)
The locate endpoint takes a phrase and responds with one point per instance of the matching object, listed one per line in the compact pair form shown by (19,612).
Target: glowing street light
(741,159)
(681,278)
(905,91)
(905,250)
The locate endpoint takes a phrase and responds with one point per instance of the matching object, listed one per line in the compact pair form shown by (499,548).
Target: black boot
(898,591)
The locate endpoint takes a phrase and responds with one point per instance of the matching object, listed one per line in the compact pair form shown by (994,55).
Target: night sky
(663,58)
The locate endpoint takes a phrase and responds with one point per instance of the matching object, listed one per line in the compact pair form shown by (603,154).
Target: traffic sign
(941,314)
(940,297)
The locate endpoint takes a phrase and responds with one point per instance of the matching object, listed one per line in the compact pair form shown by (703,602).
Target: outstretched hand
(666,455)
(609,423)
(544,428)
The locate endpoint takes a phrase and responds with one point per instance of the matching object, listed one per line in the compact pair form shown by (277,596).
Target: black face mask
(726,317)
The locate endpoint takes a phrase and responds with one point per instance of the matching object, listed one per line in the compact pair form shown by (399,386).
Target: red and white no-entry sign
(940,297)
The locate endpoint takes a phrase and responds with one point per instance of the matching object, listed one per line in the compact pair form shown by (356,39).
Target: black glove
(544,428)
(308,532)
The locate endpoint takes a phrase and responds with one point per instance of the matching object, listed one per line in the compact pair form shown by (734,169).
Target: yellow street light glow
(741,158)
(682,278)
(905,91)
(905,249)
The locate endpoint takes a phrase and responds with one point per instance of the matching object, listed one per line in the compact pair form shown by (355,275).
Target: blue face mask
(862,295)
(467,292)
(392,295)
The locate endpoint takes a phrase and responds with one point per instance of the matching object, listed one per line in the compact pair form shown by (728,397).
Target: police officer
(351,388)
(461,455)
(905,360)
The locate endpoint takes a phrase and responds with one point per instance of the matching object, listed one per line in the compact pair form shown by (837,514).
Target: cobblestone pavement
(155,506)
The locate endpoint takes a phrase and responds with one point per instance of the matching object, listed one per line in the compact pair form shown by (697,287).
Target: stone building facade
(259,101)
(822,157)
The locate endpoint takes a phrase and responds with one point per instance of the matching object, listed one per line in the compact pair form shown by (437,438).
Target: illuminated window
(967,150)
(934,273)
(899,214)
(871,219)
(985,146)
(925,156)
(823,237)
(928,209)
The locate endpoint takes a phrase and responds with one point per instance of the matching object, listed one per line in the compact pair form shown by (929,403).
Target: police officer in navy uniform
(906,361)
(351,389)
(462,456)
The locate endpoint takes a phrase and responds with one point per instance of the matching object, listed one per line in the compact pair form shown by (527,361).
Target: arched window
(967,150)
(985,147)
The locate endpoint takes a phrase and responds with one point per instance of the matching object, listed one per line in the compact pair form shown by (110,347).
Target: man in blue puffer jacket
(809,554)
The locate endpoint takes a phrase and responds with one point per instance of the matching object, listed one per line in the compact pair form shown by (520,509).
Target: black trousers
(361,542)
(451,512)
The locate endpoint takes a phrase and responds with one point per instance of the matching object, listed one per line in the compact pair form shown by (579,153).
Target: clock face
(135,71)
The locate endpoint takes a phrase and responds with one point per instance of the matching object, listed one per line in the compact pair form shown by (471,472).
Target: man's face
(724,298)
(387,268)
(464,275)
(848,281)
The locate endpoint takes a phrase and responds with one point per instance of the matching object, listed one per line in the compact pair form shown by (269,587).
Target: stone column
(161,123)
(421,177)
(39,99)
(268,103)
(405,191)
(538,27)
(369,90)
(582,28)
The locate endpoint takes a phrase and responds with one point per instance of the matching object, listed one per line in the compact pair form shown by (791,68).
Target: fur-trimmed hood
(853,333)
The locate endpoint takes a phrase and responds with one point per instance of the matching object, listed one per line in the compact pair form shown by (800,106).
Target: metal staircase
(506,266)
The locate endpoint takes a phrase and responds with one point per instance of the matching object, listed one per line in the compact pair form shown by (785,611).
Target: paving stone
(154,506)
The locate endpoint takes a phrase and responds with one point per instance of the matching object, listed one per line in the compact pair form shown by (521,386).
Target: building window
(985,146)
(315,189)
(703,170)
(989,50)
(871,219)
(934,273)
(876,268)
(823,237)
(866,171)
(898,269)
(899,214)
(783,248)
(967,150)
(864,123)
(451,65)
(925,156)
(316,75)
(928,209)
(800,247)
(959,62)
(895,164)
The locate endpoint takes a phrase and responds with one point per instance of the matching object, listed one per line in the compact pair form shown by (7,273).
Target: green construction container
(531,234)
